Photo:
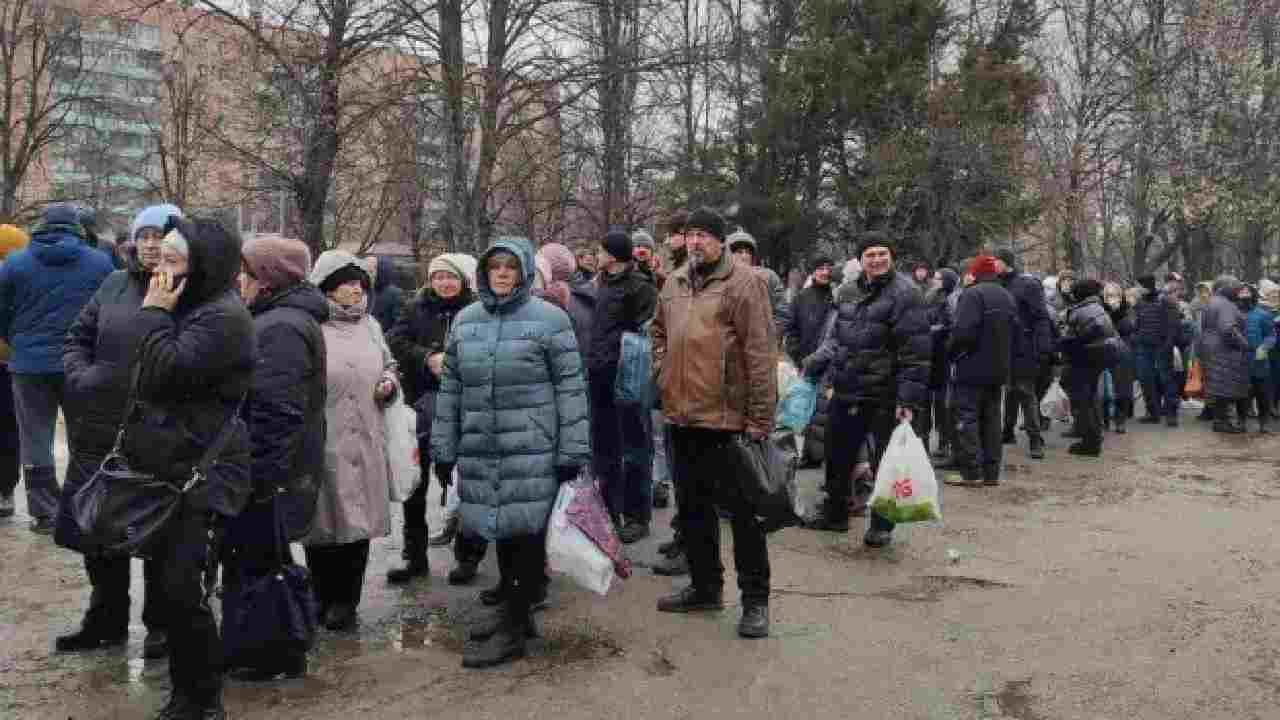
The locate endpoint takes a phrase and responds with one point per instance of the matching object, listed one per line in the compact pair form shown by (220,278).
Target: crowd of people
(509,360)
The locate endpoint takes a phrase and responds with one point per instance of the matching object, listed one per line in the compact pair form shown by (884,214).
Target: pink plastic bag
(587,513)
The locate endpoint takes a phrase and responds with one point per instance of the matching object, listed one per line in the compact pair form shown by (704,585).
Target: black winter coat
(624,303)
(1159,322)
(940,322)
(97,358)
(421,331)
(1033,334)
(881,344)
(285,405)
(1124,373)
(195,365)
(982,334)
(807,319)
(1086,329)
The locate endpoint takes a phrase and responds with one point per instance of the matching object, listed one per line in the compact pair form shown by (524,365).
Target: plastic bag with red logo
(906,490)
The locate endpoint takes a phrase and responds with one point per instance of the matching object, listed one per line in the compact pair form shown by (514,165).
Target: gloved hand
(566,474)
(444,474)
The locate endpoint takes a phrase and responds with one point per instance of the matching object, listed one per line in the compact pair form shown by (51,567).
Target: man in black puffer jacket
(1159,327)
(1032,352)
(285,412)
(981,346)
(809,313)
(882,347)
(1084,334)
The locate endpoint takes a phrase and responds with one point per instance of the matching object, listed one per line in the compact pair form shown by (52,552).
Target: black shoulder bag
(123,512)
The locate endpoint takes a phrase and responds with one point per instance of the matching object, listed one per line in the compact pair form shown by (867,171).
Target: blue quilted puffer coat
(512,406)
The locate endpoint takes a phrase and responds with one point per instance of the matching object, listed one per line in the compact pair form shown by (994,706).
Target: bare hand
(830,392)
(435,363)
(756,433)
(384,390)
(904,414)
(161,292)
(862,471)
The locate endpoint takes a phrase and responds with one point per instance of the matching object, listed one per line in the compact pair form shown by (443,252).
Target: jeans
(195,650)
(1081,385)
(700,456)
(621,438)
(1023,394)
(855,426)
(978,446)
(1155,374)
(37,399)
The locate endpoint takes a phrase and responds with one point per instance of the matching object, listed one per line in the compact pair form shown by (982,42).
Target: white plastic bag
(1178,365)
(787,376)
(405,471)
(906,490)
(1056,405)
(570,552)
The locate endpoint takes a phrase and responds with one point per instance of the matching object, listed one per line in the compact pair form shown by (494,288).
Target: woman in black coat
(285,413)
(97,358)
(1124,373)
(1086,329)
(194,367)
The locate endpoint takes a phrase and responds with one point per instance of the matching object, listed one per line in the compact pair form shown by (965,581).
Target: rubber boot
(415,552)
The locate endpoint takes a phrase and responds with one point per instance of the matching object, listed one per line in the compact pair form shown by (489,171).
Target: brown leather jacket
(714,357)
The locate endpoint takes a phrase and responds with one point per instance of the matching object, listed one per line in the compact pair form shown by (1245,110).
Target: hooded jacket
(1260,325)
(195,365)
(286,401)
(882,345)
(1033,332)
(1224,348)
(512,406)
(43,288)
(1087,327)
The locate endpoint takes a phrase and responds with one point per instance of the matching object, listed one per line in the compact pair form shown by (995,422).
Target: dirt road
(1141,586)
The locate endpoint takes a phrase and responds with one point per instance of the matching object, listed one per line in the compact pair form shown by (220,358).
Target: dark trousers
(700,458)
(1023,394)
(623,447)
(108,612)
(977,414)
(1260,394)
(1081,385)
(9,439)
(522,563)
(849,428)
(337,572)
(195,651)
(415,507)
(1155,374)
(37,399)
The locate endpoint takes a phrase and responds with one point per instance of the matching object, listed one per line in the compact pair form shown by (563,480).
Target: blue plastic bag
(797,407)
(633,384)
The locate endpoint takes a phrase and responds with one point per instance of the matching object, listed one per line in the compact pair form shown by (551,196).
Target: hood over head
(523,250)
(214,259)
(1084,289)
(58,238)
(949,280)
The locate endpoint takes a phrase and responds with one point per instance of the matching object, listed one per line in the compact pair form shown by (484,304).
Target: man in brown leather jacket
(714,362)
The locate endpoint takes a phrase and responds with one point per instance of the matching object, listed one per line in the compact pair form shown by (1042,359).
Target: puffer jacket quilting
(1224,349)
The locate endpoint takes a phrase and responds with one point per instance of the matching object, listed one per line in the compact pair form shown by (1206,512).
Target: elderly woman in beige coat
(354,505)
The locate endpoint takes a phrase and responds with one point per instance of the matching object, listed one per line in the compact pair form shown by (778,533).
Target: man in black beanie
(883,341)
(1032,353)
(620,434)
(1159,325)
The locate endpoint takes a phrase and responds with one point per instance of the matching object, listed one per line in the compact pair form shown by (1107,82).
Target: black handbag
(121,511)
(272,616)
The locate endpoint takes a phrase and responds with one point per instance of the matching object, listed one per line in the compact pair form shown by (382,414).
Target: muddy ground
(1141,586)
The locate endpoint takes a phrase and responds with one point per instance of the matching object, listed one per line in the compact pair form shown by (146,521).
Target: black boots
(501,640)
(444,538)
(691,599)
(415,554)
(1222,419)
(181,707)
(1086,449)
(755,620)
(90,638)
(464,573)
(340,617)
(155,645)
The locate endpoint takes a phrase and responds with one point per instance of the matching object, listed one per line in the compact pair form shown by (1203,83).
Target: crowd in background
(509,361)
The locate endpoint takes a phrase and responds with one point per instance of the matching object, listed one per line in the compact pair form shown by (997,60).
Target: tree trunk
(454,70)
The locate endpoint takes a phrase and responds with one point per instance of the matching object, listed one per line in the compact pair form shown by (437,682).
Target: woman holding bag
(353,505)
(285,412)
(193,368)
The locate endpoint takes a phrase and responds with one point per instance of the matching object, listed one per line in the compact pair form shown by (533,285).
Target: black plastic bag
(766,470)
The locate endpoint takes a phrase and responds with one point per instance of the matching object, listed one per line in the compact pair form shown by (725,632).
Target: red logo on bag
(417,457)
(902,488)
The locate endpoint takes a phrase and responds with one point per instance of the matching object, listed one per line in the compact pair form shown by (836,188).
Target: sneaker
(42,526)
(691,599)
(6,506)
(877,538)
(633,531)
(826,522)
(755,620)
(1037,448)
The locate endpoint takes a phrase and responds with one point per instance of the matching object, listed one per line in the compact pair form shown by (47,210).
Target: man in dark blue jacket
(882,349)
(1159,328)
(42,290)
(1032,352)
(981,347)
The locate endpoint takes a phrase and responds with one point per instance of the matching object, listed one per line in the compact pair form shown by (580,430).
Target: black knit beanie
(874,238)
(618,244)
(704,218)
(1148,282)
(819,261)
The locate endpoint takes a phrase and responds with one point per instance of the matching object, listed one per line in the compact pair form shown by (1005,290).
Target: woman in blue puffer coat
(512,414)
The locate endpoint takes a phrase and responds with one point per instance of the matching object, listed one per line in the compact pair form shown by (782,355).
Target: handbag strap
(215,448)
(277,523)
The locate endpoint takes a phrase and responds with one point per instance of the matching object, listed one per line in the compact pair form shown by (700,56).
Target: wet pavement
(1142,585)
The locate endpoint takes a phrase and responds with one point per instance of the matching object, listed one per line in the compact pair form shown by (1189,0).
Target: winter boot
(673,565)
(444,538)
(178,708)
(1086,449)
(1036,450)
(691,599)
(506,642)
(155,645)
(212,710)
(415,551)
(1008,438)
(755,620)
(6,506)
(101,628)
(1222,419)
(488,627)
(828,519)
(1122,415)
(340,617)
